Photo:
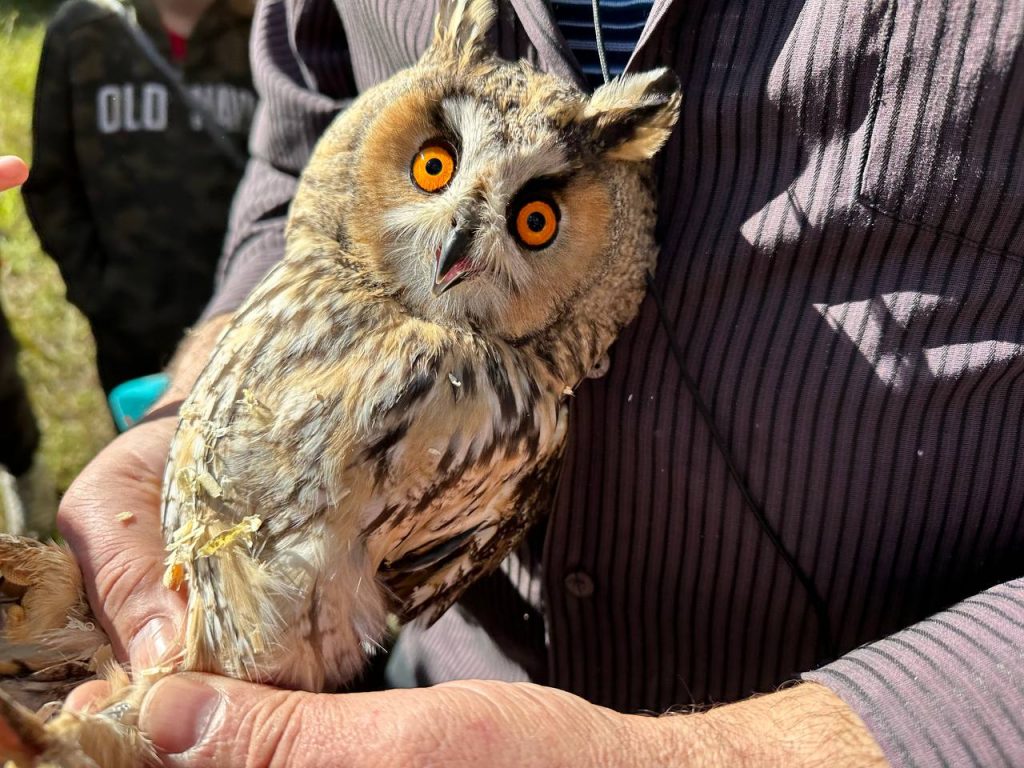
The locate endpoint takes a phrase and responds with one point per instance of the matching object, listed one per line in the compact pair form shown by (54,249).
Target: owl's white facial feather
(490,172)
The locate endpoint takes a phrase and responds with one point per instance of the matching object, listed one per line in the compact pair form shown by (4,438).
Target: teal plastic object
(130,400)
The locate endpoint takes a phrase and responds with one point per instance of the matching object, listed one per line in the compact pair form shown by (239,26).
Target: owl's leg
(106,737)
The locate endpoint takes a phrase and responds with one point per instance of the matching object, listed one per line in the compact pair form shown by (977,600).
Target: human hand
(205,720)
(13,172)
(122,561)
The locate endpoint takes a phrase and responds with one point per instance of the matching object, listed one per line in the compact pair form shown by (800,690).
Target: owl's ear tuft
(631,117)
(461,29)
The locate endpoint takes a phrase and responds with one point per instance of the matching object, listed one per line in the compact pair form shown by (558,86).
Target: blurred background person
(19,434)
(140,124)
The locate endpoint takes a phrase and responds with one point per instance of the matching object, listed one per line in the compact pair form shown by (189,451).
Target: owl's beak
(453,262)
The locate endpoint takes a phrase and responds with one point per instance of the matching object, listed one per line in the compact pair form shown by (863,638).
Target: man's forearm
(805,725)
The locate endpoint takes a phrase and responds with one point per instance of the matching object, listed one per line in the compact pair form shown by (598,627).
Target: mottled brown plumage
(385,416)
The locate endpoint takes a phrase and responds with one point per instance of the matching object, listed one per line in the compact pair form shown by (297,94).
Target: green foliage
(57,359)
(31,13)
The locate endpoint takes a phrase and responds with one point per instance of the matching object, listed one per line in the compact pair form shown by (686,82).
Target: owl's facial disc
(453,263)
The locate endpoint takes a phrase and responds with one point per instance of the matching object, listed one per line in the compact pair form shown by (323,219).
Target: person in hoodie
(132,173)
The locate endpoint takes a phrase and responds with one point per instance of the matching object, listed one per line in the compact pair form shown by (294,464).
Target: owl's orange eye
(433,166)
(537,223)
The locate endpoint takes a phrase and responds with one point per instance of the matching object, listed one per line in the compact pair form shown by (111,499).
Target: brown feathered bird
(385,416)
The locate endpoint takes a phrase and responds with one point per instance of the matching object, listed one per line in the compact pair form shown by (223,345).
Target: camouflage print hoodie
(128,193)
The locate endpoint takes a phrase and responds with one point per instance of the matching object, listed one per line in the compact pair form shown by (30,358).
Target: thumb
(122,561)
(206,720)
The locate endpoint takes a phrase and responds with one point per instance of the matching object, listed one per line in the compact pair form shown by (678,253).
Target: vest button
(579,584)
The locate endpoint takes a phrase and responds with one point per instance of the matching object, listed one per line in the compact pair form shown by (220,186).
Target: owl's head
(491,194)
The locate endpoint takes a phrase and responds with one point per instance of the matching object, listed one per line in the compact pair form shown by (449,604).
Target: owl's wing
(438,563)
(276,402)
(259,507)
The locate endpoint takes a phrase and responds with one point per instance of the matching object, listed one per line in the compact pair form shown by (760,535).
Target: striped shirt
(622,21)
(842,271)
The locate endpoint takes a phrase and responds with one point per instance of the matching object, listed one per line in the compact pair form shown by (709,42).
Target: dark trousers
(19,434)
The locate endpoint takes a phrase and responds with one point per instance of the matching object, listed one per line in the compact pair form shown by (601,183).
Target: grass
(57,354)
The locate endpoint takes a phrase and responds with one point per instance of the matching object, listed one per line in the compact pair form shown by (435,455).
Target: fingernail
(177,713)
(152,645)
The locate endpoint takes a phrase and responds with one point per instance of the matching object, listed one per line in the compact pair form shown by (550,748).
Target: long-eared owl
(384,417)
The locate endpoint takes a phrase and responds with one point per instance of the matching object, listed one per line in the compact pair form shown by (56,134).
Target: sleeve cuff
(946,691)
